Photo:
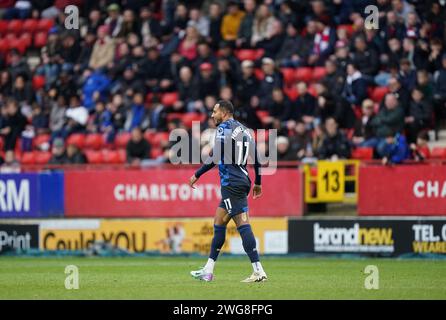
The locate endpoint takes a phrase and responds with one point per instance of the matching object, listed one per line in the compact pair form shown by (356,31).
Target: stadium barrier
(402,190)
(31,195)
(166,193)
(368,236)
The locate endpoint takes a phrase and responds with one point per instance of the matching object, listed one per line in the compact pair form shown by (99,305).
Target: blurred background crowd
(112,90)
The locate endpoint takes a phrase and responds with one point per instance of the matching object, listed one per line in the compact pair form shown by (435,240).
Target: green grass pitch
(168,278)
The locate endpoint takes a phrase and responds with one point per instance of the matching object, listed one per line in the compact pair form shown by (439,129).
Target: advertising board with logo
(18,237)
(386,237)
(159,235)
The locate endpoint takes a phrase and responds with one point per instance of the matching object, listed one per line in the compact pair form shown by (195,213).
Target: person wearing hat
(114,20)
(58,154)
(207,82)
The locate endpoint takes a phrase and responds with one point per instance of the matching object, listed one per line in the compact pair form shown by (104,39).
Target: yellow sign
(163,235)
(330,181)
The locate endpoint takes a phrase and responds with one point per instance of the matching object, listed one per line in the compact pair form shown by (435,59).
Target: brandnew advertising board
(387,237)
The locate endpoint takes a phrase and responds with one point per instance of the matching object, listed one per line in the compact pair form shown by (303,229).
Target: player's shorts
(234,199)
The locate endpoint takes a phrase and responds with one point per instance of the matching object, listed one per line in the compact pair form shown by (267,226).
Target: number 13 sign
(330,181)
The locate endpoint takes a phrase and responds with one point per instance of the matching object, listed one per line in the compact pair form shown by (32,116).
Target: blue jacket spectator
(96,83)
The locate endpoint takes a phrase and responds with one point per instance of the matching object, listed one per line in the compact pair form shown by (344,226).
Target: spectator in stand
(188,46)
(206,82)
(407,75)
(156,72)
(278,107)
(215,20)
(12,125)
(246,26)
(129,24)
(231,22)
(335,144)
(137,148)
(74,155)
(248,84)
(137,116)
(364,132)
(148,27)
(204,55)
(273,78)
(401,93)
(200,22)
(95,88)
(22,91)
(262,28)
(323,44)
(284,151)
(389,119)
(103,49)
(10,163)
(187,90)
(301,141)
(59,155)
(181,18)
(290,54)
(395,149)
(114,20)
(365,58)
(355,89)
(334,79)
(420,151)
(305,106)
(420,115)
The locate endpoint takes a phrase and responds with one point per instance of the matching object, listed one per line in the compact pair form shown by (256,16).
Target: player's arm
(202,170)
(257,190)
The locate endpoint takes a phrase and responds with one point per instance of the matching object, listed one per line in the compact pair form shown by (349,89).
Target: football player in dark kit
(233,144)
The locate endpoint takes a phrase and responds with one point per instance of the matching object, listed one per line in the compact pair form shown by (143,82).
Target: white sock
(257,267)
(209,267)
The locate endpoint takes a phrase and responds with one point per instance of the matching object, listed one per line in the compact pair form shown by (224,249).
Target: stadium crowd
(110,91)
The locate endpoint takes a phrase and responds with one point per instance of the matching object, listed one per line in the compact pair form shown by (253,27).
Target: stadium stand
(87,85)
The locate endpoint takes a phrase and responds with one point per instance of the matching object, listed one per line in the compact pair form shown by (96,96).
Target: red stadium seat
(174,116)
(122,153)
(159,138)
(110,156)
(4,45)
(15,26)
(28,158)
(168,99)
(288,76)
(3,27)
(30,25)
(45,25)
(42,157)
(189,118)
(41,139)
(78,139)
(40,39)
(304,74)
(38,82)
(291,92)
(438,153)
(378,93)
(19,44)
(155,153)
(122,139)
(94,156)
(259,74)
(246,54)
(346,27)
(27,38)
(318,73)
(94,141)
(362,153)
(262,114)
